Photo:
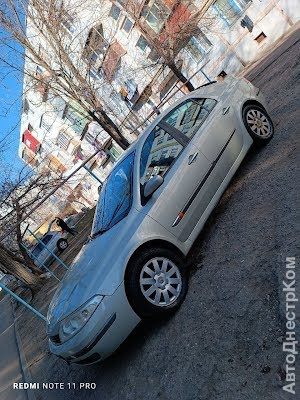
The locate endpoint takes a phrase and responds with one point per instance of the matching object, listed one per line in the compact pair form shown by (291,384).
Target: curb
(22,359)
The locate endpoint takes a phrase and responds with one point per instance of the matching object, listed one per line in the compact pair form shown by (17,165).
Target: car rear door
(211,125)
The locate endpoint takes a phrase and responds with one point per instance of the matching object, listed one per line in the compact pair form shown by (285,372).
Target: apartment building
(134,55)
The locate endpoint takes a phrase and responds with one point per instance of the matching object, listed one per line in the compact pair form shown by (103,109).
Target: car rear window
(190,115)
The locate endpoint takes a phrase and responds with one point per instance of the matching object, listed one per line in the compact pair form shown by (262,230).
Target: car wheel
(62,244)
(156,282)
(258,124)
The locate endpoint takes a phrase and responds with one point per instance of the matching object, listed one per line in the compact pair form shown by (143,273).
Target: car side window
(47,239)
(158,154)
(190,115)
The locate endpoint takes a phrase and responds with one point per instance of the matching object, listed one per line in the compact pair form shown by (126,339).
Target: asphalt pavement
(10,363)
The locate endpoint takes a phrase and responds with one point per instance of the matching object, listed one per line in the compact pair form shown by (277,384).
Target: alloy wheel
(63,244)
(160,281)
(258,123)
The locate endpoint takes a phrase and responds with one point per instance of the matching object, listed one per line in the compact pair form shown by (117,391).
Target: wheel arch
(252,102)
(148,245)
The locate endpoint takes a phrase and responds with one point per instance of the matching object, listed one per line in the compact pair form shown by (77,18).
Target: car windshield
(115,198)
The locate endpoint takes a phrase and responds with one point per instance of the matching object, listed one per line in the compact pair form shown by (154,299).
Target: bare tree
(16,201)
(177,26)
(63,71)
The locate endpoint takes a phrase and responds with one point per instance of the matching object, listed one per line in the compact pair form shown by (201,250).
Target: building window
(230,10)
(26,107)
(198,46)
(156,15)
(160,139)
(260,37)
(58,104)
(63,141)
(222,74)
(127,25)
(39,70)
(164,154)
(95,46)
(114,153)
(44,124)
(142,43)
(76,119)
(153,56)
(67,22)
(114,12)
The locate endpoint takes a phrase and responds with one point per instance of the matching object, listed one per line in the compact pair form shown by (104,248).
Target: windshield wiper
(99,232)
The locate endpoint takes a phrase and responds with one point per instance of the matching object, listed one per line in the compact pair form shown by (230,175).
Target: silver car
(150,211)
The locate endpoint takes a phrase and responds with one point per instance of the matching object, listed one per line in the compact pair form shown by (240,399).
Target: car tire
(62,244)
(258,123)
(156,282)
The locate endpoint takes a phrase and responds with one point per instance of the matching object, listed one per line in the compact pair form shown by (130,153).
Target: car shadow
(194,257)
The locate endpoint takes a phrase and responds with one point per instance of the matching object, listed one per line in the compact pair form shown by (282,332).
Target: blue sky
(10,111)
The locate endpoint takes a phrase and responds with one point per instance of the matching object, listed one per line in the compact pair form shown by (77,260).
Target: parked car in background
(151,209)
(55,241)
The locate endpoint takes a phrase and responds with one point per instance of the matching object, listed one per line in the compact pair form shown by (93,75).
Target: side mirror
(152,185)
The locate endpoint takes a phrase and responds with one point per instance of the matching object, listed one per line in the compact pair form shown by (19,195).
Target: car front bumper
(108,327)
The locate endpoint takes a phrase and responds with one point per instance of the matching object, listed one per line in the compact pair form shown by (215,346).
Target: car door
(211,125)
(183,167)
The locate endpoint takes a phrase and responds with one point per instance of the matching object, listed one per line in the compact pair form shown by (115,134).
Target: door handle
(226,109)
(192,158)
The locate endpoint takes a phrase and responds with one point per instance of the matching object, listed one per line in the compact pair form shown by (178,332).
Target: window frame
(142,39)
(111,12)
(161,19)
(142,198)
(124,22)
(198,38)
(235,7)
(59,142)
(176,134)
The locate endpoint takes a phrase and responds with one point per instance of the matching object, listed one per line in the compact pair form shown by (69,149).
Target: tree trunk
(27,259)
(18,271)
(181,76)
(17,258)
(110,127)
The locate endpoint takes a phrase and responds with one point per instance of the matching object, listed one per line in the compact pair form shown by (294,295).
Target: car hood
(97,269)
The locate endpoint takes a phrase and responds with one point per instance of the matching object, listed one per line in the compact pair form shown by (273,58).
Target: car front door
(168,153)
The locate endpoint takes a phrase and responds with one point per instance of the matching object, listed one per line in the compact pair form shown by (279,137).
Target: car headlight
(72,324)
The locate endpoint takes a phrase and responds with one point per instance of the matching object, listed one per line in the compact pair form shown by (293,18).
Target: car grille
(55,339)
